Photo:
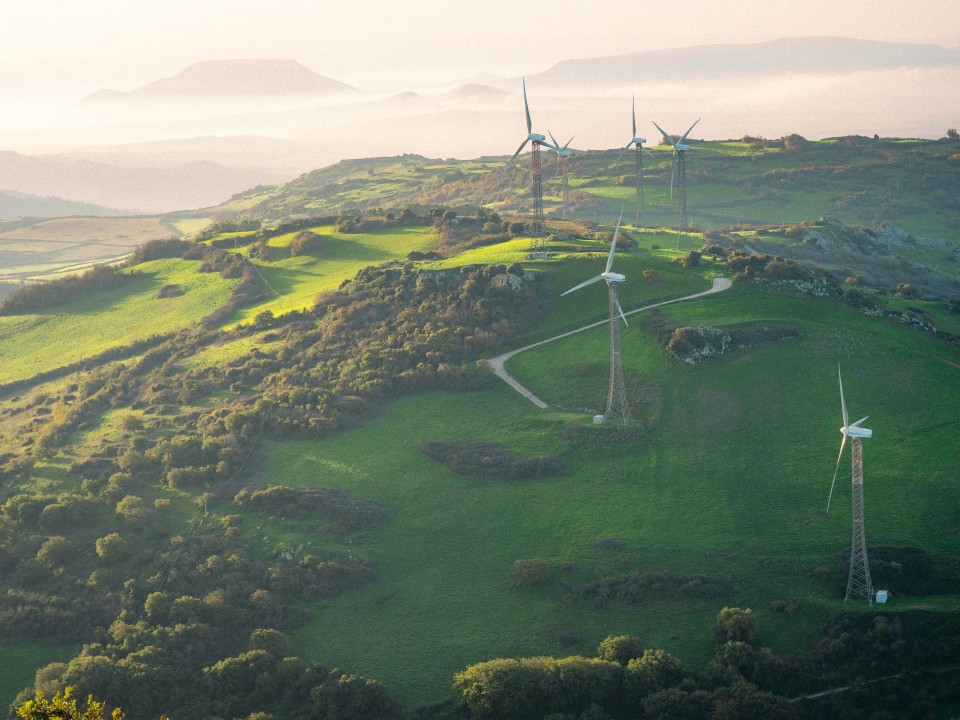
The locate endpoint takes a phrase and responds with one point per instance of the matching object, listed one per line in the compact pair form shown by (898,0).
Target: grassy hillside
(858,180)
(37,342)
(730,480)
(294,282)
(139,467)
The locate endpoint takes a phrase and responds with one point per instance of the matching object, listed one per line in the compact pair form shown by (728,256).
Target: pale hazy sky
(65,49)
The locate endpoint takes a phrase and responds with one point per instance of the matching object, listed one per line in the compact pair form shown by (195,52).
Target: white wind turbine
(680,150)
(563,157)
(637,142)
(858,582)
(536,140)
(617,407)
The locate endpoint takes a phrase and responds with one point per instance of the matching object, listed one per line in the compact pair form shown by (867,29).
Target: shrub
(306,242)
(529,573)
(169,291)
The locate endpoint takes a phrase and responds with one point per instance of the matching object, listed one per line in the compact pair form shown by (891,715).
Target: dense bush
(492,460)
(331,504)
(636,587)
(307,243)
(529,573)
(158,250)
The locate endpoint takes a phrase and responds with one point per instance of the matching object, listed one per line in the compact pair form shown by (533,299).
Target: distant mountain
(150,189)
(815,55)
(231,79)
(474,91)
(15,204)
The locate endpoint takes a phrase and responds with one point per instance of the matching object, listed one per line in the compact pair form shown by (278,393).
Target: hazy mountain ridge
(257,136)
(15,204)
(177,187)
(775,57)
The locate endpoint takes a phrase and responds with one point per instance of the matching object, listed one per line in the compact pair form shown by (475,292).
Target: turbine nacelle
(638,141)
(680,147)
(855,431)
(612,277)
(536,137)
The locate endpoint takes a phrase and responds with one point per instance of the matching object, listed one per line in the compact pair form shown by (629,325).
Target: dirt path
(496,364)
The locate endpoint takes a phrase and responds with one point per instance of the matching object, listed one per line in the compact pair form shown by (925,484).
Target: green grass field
(293,283)
(41,341)
(731,480)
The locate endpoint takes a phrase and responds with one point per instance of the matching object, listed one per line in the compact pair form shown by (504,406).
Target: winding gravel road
(496,363)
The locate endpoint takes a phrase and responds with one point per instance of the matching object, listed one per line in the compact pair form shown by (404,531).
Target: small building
(882,597)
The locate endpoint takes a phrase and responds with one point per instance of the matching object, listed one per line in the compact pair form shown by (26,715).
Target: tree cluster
(42,296)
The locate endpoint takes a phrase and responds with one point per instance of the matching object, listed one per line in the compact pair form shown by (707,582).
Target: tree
(953,134)
(620,648)
(63,706)
(271,641)
(735,625)
(55,551)
(112,548)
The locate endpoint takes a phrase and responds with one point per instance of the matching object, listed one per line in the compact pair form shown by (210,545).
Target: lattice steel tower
(858,583)
(536,231)
(617,407)
(639,170)
(679,168)
(536,140)
(563,165)
(682,192)
(637,142)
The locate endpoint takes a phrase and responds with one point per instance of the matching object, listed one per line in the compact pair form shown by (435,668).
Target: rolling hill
(286,446)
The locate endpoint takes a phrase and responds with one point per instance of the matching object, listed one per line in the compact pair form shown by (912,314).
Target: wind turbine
(679,162)
(637,142)
(563,157)
(536,140)
(858,582)
(617,407)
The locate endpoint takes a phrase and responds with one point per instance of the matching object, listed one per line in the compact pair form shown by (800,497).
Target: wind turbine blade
(836,470)
(665,134)
(555,143)
(522,145)
(843,403)
(633,99)
(648,152)
(857,423)
(622,316)
(613,243)
(567,143)
(591,281)
(624,150)
(526,108)
(684,137)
